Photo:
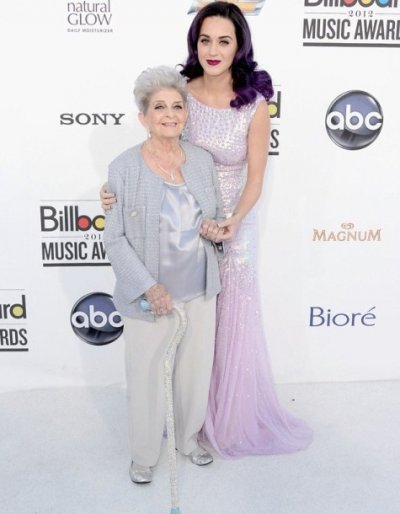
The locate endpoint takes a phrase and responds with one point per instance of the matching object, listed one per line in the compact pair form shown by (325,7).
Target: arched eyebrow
(178,102)
(220,37)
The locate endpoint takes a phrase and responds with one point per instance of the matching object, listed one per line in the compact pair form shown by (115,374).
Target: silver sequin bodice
(223,132)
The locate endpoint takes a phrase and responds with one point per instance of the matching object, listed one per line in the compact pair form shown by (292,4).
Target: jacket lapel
(192,173)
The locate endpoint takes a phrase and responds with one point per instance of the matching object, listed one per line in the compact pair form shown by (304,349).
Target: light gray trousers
(145,345)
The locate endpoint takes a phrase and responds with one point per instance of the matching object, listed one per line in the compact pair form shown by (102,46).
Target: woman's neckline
(172,184)
(208,106)
(156,175)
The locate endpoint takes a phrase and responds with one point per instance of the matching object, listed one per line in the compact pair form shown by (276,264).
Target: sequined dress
(244,416)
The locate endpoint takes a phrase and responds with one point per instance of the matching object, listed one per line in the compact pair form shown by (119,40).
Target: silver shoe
(140,474)
(200,456)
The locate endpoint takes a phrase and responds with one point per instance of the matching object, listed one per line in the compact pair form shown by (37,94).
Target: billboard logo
(274,108)
(350,3)
(13,311)
(72,233)
(68,219)
(13,321)
(351,23)
(354,120)
(248,7)
(95,320)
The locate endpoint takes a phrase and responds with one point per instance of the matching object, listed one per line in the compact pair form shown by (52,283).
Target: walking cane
(168,372)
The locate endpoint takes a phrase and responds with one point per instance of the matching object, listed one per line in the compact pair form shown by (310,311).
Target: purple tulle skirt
(244,416)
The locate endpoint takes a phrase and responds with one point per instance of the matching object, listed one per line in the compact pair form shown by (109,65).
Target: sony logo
(83,118)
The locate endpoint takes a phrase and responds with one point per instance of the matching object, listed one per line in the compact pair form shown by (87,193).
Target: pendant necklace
(170,173)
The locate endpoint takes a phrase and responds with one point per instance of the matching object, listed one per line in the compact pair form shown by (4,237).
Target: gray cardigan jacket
(131,235)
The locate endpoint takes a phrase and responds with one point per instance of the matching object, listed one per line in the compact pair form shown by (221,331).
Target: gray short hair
(152,80)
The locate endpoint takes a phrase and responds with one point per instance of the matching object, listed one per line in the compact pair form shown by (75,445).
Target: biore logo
(68,220)
(248,7)
(354,120)
(13,321)
(350,3)
(326,318)
(83,118)
(95,320)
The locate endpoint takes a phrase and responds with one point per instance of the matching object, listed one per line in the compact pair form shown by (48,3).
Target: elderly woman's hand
(211,230)
(160,300)
(107,199)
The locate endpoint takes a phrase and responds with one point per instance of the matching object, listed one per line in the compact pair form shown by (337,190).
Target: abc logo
(354,120)
(95,320)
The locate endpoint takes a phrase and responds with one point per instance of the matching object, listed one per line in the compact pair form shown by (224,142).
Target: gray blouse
(182,253)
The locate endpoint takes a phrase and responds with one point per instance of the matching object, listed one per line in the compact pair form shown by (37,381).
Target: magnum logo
(348,233)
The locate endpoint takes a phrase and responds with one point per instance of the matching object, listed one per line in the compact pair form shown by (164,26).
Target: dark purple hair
(246,79)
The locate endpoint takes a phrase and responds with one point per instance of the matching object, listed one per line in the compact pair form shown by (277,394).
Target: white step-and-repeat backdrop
(329,217)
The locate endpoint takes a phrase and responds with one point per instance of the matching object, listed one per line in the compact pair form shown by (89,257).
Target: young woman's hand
(228,227)
(107,199)
(221,230)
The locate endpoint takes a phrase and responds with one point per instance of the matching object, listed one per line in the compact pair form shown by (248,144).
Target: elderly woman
(166,188)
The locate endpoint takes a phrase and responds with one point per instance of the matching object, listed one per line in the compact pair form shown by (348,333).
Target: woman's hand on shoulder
(159,299)
(107,199)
